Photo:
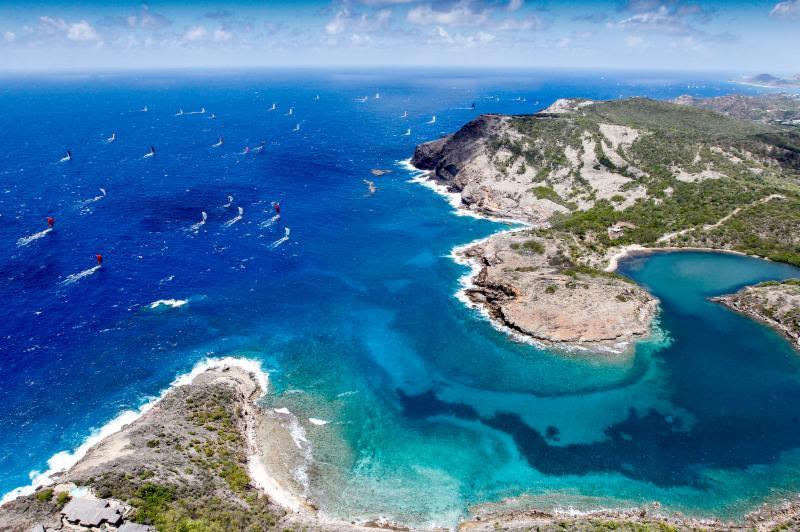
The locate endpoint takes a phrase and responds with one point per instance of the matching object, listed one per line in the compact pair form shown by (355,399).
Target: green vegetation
(151,501)
(578,269)
(62,499)
(529,246)
(787,282)
(768,230)
(202,484)
(543,192)
(44,495)
(693,139)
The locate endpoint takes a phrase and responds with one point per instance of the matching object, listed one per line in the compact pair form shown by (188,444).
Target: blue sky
(754,36)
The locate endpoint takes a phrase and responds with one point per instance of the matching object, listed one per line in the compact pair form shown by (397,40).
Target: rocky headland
(194,461)
(774,303)
(187,465)
(594,181)
(530,285)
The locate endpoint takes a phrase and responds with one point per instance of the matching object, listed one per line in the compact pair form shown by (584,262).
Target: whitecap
(172,303)
(319,422)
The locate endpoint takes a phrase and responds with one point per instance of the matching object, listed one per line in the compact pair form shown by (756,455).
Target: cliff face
(595,177)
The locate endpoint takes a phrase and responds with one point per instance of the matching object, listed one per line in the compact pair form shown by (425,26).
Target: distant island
(768,80)
(595,181)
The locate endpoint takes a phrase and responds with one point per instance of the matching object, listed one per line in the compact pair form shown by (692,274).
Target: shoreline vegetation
(586,184)
(596,182)
(187,465)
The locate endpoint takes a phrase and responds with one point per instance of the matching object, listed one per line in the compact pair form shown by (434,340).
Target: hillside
(783,109)
(597,177)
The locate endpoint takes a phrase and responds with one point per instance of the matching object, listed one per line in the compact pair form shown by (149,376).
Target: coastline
(467,281)
(636,249)
(62,461)
(768,515)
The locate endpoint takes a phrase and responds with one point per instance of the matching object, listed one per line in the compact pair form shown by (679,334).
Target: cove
(430,409)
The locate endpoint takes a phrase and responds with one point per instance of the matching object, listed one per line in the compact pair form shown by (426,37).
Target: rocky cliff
(596,178)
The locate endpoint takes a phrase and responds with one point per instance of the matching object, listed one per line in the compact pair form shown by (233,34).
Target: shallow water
(431,410)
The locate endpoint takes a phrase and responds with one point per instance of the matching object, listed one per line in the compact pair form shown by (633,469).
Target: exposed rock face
(784,517)
(603,177)
(529,285)
(775,303)
(463,162)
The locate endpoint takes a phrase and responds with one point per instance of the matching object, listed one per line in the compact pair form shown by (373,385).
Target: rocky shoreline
(530,287)
(192,460)
(527,283)
(187,462)
(776,304)
(785,516)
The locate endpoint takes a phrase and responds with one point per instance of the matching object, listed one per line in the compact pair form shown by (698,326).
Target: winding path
(669,236)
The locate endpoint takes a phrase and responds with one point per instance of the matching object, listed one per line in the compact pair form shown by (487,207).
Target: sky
(732,36)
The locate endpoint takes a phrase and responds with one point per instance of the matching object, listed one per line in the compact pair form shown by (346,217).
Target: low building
(618,229)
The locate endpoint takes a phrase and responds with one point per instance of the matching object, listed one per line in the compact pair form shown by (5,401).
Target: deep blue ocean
(431,410)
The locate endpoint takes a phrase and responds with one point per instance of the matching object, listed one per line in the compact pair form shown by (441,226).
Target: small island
(770,81)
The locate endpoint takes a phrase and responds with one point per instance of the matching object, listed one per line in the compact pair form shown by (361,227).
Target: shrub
(44,495)
(62,499)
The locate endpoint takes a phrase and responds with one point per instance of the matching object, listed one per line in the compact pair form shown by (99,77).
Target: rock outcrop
(776,304)
(530,285)
(599,178)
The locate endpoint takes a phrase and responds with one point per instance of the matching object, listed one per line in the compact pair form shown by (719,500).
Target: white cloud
(523,24)
(788,8)
(344,19)
(10,36)
(360,39)
(514,5)
(338,23)
(82,32)
(195,34)
(466,41)
(459,14)
(221,35)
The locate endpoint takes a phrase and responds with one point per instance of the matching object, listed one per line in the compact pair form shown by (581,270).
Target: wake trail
(75,277)
(282,239)
(24,241)
(235,219)
(269,223)
(96,198)
(194,228)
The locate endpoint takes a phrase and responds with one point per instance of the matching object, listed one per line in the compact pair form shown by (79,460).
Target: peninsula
(595,181)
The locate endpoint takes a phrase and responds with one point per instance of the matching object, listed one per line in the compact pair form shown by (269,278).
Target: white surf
(24,241)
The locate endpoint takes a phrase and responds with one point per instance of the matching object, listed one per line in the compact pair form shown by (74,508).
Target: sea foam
(63,460)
